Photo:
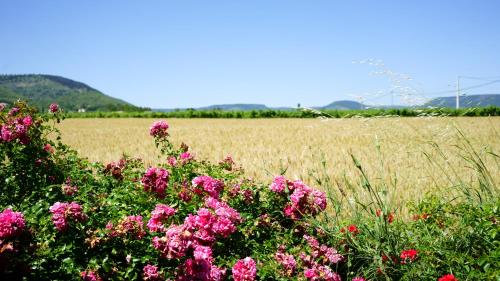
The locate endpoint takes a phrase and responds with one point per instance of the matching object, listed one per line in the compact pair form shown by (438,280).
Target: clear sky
(166,54)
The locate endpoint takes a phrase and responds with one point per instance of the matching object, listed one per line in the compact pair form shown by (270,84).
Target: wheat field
(390,149)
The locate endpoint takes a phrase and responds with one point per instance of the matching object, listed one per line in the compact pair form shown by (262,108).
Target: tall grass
(364,196)
(456,229)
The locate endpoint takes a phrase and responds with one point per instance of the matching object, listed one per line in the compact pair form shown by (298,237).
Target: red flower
(448,277)
(408,256)
(390,216)
(386,258)
(423,216)
(351,228)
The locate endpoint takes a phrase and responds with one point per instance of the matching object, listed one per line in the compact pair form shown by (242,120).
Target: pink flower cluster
(11,223)
(199,229)
(90,276)
(13,111)
(53,107)
(247,194)
(16,128)
(172,161)
(178,242)
(209,185)
(68,188)
(63,213)
(227,163)
(175,243)
(279,184)
(222,209)
(197,235)
(204,225)
(158,216)
(318,263)
(244,270)
(184,158)
(185,193)
(323,252)
(201,267)
(132,226)
(150,273)
(155,180)
(287,261)
(115,169)
(305,200)
(49,148)
(321,272)
(159,129)
(359,278)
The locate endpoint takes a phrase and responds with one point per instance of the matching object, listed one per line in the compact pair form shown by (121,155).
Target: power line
(459,90)
(463,89)
(481,78)
(484,94)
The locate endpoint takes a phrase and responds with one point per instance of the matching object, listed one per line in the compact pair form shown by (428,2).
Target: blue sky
(166,54)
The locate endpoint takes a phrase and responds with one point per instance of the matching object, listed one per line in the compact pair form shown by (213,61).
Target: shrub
(64,218)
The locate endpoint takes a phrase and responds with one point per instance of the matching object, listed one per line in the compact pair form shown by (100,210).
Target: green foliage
(299,113)
(454,236)
(42,90)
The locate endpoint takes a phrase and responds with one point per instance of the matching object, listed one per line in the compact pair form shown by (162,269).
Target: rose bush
(64,218)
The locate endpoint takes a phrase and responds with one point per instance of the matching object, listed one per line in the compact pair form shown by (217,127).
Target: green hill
(42,90)
(344,105)
(236,107)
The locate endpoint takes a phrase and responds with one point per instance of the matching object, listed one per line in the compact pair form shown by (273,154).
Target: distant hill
(344,105)
(236,107)
(466,101)
(283,108)
(226,107)
(338,105)
(42,90)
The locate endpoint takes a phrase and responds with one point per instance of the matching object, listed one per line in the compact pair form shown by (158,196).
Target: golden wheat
(390,149)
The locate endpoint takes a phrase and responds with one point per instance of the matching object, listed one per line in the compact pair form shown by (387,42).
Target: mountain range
(338,105)
(449,102)
(466,101)
(41,90)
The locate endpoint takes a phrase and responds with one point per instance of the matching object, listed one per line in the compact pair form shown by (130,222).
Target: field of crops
(392,150)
